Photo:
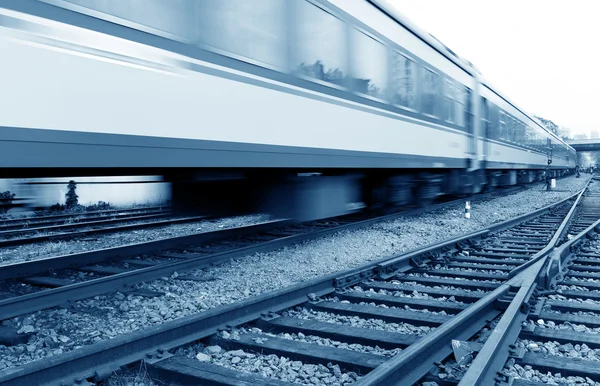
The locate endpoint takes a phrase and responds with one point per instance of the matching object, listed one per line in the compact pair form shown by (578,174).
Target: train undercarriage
(311,195)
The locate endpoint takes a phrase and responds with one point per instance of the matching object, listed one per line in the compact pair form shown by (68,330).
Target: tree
(560,131)
(71,197)
(551,126)
(6,200)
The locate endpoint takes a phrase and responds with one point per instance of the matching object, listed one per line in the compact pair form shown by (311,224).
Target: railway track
(43,283)
(552,337)
(436,295)
(57,219)
(86,228)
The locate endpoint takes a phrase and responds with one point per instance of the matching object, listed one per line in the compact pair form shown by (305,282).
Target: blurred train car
(305,105)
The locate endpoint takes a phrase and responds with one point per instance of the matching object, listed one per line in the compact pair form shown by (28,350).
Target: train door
(484,148)
(470,125)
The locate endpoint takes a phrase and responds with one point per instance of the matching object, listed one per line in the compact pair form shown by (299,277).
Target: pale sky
(542,54)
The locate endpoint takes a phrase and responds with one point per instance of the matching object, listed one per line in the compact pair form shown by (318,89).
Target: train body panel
(519,158)
(111,98)
(93,94)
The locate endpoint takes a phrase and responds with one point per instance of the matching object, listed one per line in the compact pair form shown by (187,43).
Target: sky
(542,54)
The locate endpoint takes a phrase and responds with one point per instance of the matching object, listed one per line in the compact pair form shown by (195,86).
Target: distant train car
(309,103)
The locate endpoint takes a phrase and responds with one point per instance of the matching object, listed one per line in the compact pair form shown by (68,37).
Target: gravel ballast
(555,349)
(413,295)
(530,374)
(567,350)
(418,286)
(107,316)
(269,366)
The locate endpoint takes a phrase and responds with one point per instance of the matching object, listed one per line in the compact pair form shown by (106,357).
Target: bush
(101,205)
(6,199)
(72,199)
(57,208)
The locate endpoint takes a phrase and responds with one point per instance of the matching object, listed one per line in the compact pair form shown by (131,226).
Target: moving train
(305,106)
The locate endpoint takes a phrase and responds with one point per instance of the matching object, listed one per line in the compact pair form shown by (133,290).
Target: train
(303,107)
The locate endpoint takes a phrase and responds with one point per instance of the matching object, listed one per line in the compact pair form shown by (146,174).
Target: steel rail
(489,362)
(40,225)
(33,267)
(491,358)
(6,221)
(54,263)
(99,360)
(29,268)
(561,255)
(401,262)
(76,225)
(24,304)
(20,305)
(555,239)
(120,228)
(414,362)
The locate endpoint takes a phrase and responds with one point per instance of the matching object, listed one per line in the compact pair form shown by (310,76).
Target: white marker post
(468,209)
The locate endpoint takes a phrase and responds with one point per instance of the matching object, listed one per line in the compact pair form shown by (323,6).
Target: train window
(369,65)
(492,120)
(485,118)
(459,105)
(430,92)
(449,91)
(512,129)
(503,129)
(175,17)
(253,29)
(530,134)
(320,44)
(519,132)
(404,74)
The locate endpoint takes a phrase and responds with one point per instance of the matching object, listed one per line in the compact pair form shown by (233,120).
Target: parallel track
(90,228)
(38,284)
(483,283)
(56,219)
(561,306)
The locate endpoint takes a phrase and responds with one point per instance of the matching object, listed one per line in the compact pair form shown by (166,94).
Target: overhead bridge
(585,144)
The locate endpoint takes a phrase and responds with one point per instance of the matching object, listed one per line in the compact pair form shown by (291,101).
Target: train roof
(386,7)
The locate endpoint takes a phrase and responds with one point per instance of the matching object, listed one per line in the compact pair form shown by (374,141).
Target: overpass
(585,144)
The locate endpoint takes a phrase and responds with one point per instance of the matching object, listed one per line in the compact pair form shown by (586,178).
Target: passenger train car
(320,101)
